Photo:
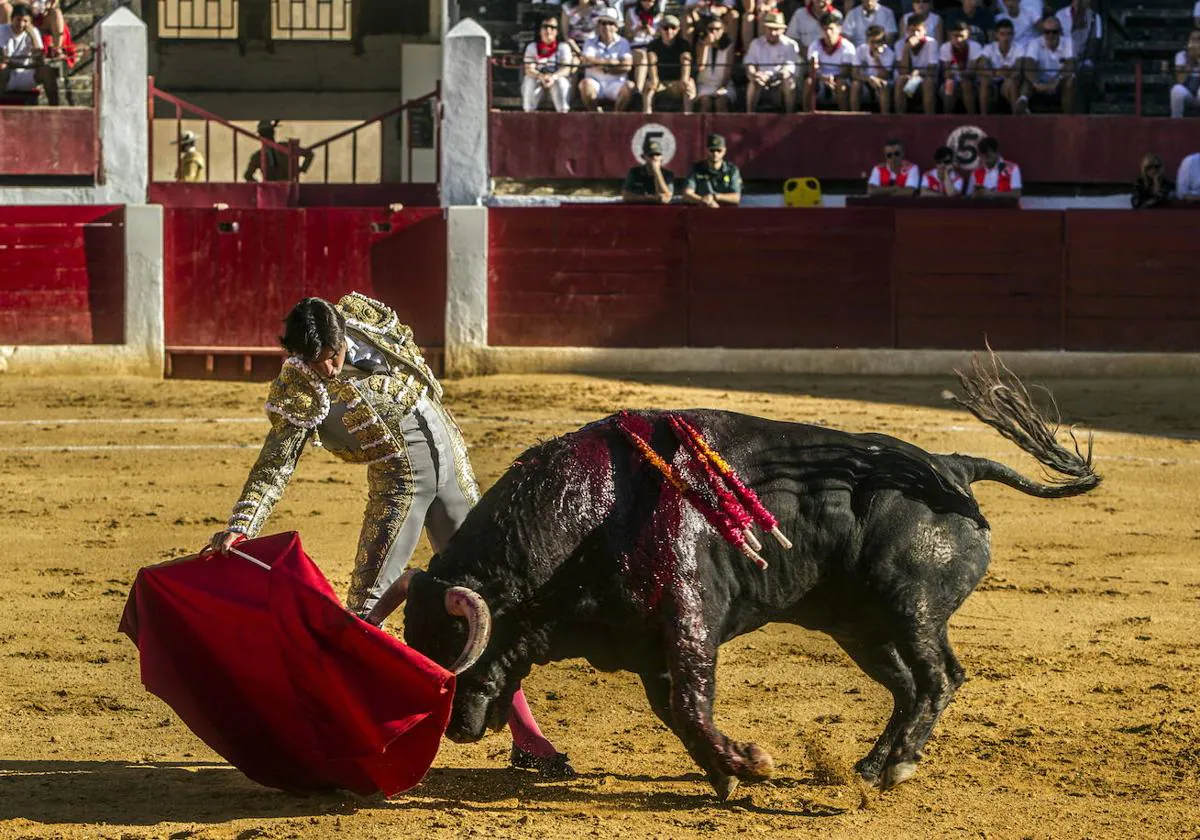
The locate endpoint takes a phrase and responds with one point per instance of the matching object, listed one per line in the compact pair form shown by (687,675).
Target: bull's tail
(995,395)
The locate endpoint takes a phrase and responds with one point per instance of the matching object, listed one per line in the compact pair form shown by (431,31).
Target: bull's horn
(393,597)
(467,604)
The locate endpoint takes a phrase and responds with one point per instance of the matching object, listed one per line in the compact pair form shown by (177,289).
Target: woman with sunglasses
(548,65)
(1151,189)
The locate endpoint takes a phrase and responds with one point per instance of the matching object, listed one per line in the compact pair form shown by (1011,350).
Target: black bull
(579,551)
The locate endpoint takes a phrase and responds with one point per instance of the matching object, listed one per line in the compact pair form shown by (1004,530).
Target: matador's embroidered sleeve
(382,327)
(297,404)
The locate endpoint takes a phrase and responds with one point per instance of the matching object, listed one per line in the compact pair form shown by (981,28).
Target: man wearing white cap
(190,168)
(607,59)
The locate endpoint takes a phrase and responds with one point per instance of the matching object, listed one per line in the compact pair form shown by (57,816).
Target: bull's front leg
(691,663)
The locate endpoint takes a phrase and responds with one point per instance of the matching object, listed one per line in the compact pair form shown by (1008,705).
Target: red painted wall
(617,276)
(48,141)
(1050,149)
(265,196)
(233,274)
(62,275)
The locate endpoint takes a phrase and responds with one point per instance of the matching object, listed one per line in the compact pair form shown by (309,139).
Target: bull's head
(452,625)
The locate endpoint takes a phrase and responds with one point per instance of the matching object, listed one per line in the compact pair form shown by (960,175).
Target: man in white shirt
(1186,90)
(943,181)
(933,21)
(548,64)
(771,64)
(960,57)
(1049,70)
(895,176)
(831,60)
(995,177)
(22,63)
(1187,180)
(1083,28)
(607,59)
(873,72)
(805,26)
(1005,62)
(916,67)
(1024,21)
(865,15)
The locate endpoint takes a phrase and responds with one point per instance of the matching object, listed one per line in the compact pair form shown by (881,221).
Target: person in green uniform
(714,181)
(649,183)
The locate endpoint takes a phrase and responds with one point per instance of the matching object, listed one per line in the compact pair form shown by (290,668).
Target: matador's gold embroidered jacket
(299,403)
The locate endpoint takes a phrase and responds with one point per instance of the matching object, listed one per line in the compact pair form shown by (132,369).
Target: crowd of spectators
(718,55)
(34,42)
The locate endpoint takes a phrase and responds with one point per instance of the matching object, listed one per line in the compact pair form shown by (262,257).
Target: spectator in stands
(190,168)
(933,21)
(1024,21)
(714,182)
(48,19)
(1049,70)
(981,21)
(607,60)
(752,17)
(873,73)
(579,21)
(649,183)
(670,67)
(714,68)
(805,26)
(831,60)
(865,15)
(1151,189)
(274,164)
(699,11)
(960,58)
(943,181)
(895,176)
(548,65)
(771,63)
(916,67)
(1187,181)
(1186,90)
(995,177)
(1083,28)
(22,63)
(1005,62)
(641,25)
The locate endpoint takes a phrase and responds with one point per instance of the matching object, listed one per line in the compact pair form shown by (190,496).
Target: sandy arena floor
(1082,646)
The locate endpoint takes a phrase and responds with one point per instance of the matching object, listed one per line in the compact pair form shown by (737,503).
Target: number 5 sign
(964,140)
(653,131)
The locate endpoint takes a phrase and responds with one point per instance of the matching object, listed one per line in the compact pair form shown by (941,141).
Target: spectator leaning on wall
(22,64)
(714,181)
(607,59)
(548,65)
(875,61)
(649,183)
(943,181)
(1151,189)
(190,168)
(895,176)
(1187,181)
(994,177)
(1186,90)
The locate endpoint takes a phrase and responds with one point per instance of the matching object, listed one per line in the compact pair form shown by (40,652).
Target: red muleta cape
(268,668)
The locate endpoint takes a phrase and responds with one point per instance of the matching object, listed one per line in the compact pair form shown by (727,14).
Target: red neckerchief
(645,16)
(547,50)
(831,50)
(960,56)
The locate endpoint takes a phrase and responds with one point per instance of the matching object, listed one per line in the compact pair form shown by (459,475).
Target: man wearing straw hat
(190,168)
(271,161)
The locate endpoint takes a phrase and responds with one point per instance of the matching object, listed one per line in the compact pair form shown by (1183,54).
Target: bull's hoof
(868,771)
(723,785)
(759,764)
(896,773)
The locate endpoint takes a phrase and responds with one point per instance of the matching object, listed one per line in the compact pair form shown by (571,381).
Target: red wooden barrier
(1133,280)
(63,276)
(1050,149)
(233,274)
(48,141)
(278,195)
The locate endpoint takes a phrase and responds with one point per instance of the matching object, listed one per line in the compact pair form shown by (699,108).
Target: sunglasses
(893,154)
(1052,31)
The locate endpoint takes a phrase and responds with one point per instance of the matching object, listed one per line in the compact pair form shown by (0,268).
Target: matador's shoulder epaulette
(373,318)
(298,396)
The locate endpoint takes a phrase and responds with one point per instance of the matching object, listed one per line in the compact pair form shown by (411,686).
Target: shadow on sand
(120,793)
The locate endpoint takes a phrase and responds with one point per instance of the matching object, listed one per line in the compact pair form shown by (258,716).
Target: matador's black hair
(312,325)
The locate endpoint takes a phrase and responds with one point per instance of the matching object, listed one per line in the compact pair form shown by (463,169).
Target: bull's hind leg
(938,676)
(691,670)
(882,663)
